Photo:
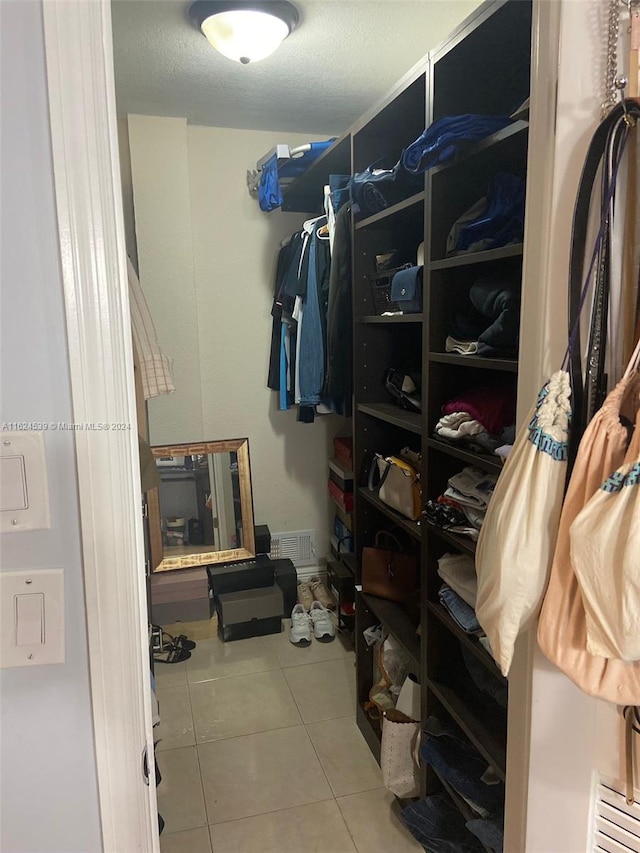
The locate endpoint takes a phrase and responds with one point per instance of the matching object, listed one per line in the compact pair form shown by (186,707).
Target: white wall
(47,761)
(573,737)
(207,259)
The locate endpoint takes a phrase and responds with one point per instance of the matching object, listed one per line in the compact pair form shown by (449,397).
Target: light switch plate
(24,502)
(32,617)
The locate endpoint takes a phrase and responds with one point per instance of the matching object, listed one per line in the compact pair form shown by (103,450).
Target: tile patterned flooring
(260,753)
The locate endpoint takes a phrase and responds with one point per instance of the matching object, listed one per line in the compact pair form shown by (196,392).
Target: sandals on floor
(172,654)
(174,649)
(182,640)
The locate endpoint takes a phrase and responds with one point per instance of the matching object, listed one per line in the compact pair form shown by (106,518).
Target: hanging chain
(612,58)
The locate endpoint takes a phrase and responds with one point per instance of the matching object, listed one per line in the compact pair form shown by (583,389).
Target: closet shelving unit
(483,67)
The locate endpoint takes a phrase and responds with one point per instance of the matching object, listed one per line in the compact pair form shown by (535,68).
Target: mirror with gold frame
(202,512)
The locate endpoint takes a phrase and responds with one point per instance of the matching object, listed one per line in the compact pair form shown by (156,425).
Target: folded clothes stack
(463,505)
(486,320)
(480,419)
(493,221)
(463,615)
(458,596)
(458,571)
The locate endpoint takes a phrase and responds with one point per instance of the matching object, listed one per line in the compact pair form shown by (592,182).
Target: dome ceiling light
(245,31)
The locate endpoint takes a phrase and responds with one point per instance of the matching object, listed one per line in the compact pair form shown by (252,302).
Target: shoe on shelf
(300,631)
(323,628)
(305,596)
(321,593)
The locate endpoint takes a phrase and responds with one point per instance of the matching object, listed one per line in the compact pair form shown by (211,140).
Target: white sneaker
(323,628)
(300,631)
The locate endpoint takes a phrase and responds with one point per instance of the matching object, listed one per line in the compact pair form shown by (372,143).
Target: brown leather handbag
(389,573)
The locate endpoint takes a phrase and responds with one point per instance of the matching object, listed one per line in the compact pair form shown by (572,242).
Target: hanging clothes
(339,380)
(155,366)
(300,327)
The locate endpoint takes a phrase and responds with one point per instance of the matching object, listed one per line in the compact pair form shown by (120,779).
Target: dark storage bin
(193,610)
(234,577)
(287,580)
(179,585)
(250,613)
(263,539)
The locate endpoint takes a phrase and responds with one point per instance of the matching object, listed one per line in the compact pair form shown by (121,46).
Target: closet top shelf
(305,193)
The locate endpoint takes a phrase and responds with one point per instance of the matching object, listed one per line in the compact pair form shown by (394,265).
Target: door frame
(79,56)
(88,192)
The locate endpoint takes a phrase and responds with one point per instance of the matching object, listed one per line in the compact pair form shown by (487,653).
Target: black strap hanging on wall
(605,153)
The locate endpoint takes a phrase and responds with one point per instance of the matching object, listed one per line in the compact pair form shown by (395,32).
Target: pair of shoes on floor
(174,649)
(316,622)
(314,590)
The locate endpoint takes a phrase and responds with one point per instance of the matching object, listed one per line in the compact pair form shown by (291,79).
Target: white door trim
(90,221)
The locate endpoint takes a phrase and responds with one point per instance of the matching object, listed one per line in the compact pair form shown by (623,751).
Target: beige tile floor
(260,753)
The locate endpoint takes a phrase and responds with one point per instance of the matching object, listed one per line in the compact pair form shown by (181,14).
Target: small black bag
(406,290)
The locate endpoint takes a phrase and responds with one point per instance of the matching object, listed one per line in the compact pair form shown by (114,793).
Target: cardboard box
(250,613)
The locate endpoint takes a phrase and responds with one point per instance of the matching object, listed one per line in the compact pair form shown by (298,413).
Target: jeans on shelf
(438,825)
(459,610)
(456,761)
(490,832)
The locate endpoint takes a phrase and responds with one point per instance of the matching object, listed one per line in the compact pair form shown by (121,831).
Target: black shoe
(403,389)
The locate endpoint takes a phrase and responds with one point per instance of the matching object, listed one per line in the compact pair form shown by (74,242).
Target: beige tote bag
(517,540)
(562,631)
(605,554)
(399,760)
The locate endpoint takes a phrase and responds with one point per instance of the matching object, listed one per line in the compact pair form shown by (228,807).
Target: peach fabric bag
(605,554)
(562,630)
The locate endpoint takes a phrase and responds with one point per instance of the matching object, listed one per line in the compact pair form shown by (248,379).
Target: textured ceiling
(342,57)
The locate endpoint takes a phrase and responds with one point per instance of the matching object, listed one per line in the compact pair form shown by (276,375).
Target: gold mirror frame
(160,563)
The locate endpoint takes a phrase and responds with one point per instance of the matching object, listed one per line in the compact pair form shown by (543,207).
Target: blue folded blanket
(439,142)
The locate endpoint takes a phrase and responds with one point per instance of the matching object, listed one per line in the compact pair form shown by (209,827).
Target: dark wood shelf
(305,193)
(471,149)
(480,735)
(393,210)
(387,412)
(462,543)
(370,731)
(508,365)
(396,621)
(478,257)
(478,460)
(412,527)
(469,642)
(392,319)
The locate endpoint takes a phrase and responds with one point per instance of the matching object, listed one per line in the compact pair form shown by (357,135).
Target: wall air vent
(299,546)
(617,825)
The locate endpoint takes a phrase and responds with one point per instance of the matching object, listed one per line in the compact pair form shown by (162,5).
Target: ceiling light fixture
(245,31)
